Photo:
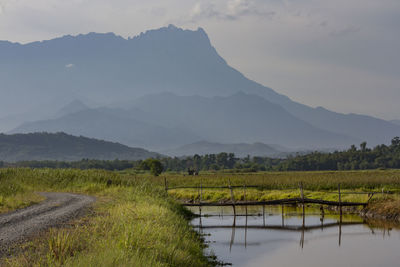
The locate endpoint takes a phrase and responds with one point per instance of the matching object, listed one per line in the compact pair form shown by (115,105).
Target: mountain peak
(174,33)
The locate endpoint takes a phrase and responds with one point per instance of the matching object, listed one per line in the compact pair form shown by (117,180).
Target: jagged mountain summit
(112,71)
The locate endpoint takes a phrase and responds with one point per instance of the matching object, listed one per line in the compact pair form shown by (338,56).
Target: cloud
(345,31)
(228,10)
(2,9)
(68,66)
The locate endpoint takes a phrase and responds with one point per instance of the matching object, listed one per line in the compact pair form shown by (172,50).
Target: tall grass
(133,223)
(316,180)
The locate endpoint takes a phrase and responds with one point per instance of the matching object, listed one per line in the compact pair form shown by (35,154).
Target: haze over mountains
(160,90)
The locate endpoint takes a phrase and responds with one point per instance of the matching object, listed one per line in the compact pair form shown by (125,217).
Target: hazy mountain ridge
(166,120)
(116,125)
(109,69)
(64,147)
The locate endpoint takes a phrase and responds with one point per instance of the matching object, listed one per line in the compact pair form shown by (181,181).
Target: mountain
(115,125)
(237,118)
(240,150)
(164,121)
(64,147)
(113,71)
(397,122)
(72,107)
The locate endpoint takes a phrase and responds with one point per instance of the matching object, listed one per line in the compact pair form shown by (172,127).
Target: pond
(291,239)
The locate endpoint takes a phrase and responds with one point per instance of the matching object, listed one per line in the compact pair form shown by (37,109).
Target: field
(133,223)
(277,185)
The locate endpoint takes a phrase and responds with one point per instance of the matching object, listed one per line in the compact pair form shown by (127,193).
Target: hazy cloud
(227,10)
(68,66)
(345,31)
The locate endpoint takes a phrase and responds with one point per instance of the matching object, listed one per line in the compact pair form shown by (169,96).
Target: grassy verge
(133,223)
(385,208)
(18,201)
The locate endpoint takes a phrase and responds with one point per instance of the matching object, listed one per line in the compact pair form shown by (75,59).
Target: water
(284,241)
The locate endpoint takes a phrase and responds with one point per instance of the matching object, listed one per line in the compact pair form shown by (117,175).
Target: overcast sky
(343,55)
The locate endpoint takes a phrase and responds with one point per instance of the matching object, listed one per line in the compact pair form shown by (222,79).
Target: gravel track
(57,209)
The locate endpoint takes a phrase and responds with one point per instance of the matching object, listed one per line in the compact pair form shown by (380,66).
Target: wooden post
(283,218)
(165,184)
(201,191)
(302,200)
(340,203)
(232,199)
(301,191)
(244,198)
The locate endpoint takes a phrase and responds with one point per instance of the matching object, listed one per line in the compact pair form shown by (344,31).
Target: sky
(343,55)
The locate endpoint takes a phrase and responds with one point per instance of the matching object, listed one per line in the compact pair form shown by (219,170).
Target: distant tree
(363,146)
(154,165)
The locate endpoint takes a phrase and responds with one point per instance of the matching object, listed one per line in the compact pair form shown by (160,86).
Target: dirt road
(58,208)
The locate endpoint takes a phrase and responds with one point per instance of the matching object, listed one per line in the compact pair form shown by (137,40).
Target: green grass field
(133,222)
(317,180)
(278,185)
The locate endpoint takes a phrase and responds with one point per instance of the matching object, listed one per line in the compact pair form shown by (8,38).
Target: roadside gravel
(57,209)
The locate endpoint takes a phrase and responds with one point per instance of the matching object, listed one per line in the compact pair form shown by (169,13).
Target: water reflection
(257,239)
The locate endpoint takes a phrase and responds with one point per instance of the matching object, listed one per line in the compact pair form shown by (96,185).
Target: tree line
(354,158)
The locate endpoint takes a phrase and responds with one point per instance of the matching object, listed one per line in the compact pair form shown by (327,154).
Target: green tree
(154,165)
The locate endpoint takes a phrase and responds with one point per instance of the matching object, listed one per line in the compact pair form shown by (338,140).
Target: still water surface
(276,240)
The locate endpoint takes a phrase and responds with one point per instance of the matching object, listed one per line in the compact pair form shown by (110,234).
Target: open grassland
(313,180)
(279,185)
(133,223)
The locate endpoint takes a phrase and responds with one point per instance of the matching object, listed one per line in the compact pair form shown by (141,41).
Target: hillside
(64,147)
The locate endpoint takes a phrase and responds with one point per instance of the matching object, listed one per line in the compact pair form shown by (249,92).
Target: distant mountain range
(162,89)
(240,150)
(64,147)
